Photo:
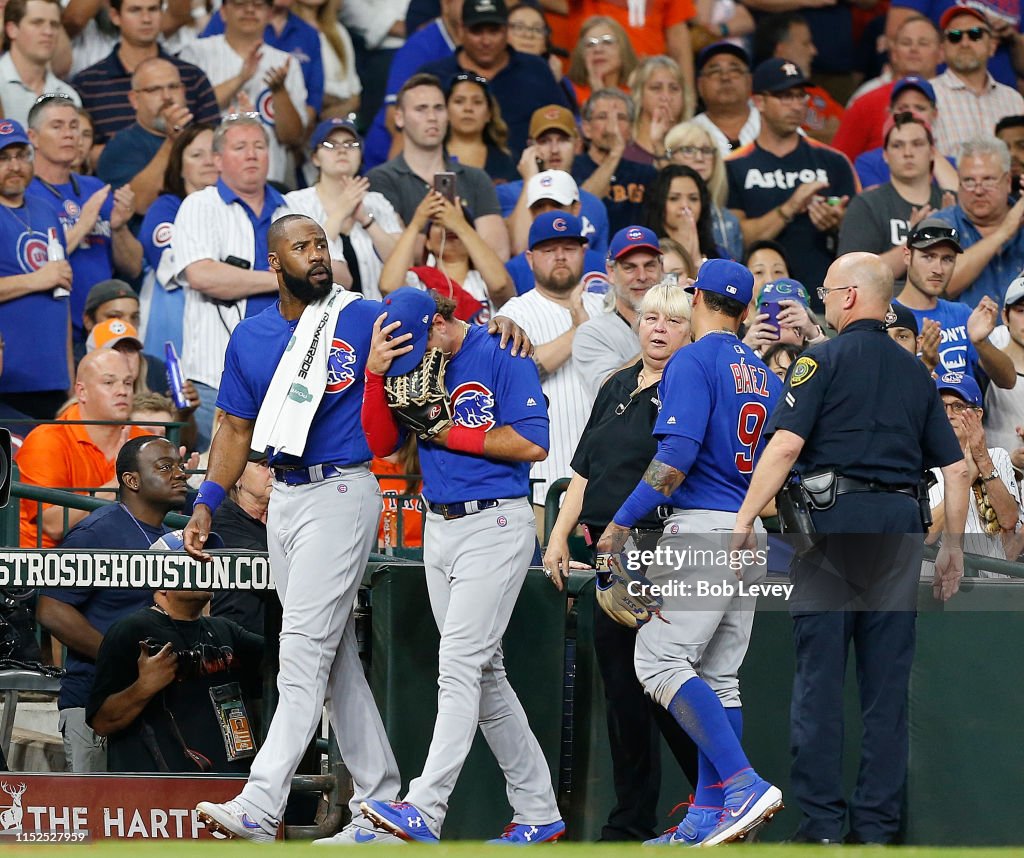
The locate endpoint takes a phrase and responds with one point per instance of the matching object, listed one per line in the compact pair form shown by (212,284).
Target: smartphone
(238,262)
(444,184)
(772,308)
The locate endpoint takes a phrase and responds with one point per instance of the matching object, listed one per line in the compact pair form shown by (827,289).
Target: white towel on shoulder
(300,380)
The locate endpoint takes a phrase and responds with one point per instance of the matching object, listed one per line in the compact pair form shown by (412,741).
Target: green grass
(189,849)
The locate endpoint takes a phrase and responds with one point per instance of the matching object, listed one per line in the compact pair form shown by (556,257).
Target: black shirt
(615,449)
(866,408)
(238,529)
(625,198)
(228,653)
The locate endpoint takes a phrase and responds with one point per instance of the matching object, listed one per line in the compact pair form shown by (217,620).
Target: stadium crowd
(147,146)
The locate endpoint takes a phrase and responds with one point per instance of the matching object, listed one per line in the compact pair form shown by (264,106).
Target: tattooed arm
(660,480)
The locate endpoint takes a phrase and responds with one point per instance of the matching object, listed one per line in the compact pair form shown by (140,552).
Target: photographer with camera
(168,693)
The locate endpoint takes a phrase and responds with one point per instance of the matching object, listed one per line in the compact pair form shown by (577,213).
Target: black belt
(305,476)
(849,485)
(460,510)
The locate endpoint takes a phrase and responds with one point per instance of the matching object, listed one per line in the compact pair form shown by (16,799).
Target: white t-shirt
(340,82)
(220,63)
(568,401)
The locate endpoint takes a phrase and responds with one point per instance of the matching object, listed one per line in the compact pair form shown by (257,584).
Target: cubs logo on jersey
(72,209)
(265,106)
(340,366)
(31,251)
(162,234)
(473,406)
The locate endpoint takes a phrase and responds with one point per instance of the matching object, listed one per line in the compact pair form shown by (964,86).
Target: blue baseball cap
(725,277)
(11,133)
(913,82)
(631,238)
(551,225)
(328,127)
(962,385)
(778,75)
(784,289)
(415,309)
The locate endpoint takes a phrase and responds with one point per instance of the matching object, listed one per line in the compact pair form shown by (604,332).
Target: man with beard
(551,313)
(609,340)
(306,413)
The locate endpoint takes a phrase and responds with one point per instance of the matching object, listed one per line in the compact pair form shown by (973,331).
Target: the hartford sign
(64,808)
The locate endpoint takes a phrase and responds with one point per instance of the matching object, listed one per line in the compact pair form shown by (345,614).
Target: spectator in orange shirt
(391,474)
(603,58)
(64,456)
(788,37)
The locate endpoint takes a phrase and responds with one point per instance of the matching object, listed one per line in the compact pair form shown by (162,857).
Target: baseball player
(479,537)
(716,396)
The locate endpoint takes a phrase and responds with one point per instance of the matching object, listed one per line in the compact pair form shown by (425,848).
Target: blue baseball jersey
(956,351)
(167,307)
(488,388)
(34,326)
(92,261)
(719,394)
(336,435)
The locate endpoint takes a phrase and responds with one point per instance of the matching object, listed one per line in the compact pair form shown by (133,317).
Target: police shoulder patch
(802,371)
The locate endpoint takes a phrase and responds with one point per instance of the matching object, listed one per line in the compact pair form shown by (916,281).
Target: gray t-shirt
(602,345)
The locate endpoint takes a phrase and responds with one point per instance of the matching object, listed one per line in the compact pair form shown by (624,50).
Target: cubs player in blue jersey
(479,536)
(716,397)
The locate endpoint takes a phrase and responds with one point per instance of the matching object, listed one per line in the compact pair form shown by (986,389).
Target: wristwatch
(993,476)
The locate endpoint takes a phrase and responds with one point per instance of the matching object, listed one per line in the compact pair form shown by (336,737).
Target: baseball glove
(419,398)
(629,609)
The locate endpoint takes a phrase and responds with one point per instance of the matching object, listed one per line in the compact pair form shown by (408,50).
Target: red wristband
(466,440)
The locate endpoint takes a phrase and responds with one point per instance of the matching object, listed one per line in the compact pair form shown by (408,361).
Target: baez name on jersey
(750,379)
(785,179)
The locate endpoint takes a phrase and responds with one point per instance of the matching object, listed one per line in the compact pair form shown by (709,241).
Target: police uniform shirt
(760,181)
(866,408)
(336,435)
(488,388)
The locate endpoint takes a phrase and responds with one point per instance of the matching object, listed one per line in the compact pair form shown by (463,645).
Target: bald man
(860,421)
(137,155)
(62,455)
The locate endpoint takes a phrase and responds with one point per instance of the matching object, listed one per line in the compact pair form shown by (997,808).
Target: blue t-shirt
(1001,268)
(522,275)
(93,259)
(956,351)
(592,213)
(299,39)
(34,326)
(167,306)
(718,394)
(113,528)
(336,434)
(127,153)
(488,388)
(422,47)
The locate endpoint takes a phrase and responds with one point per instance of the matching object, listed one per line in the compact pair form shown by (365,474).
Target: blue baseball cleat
(517,834)
(402,819)
(698,824)
(749,801)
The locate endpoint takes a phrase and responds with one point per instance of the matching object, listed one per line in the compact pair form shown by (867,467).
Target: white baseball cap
(1014,292)
(555,185)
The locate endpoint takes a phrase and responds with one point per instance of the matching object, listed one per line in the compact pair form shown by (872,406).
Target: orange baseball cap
(107,335)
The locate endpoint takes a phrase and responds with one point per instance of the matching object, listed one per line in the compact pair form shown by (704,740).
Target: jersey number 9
(748,431)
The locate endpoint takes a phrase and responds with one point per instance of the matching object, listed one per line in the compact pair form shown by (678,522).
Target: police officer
(859,420)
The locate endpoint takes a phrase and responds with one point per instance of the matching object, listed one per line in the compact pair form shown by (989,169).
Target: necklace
(136,522)
(715,331)
(28,226)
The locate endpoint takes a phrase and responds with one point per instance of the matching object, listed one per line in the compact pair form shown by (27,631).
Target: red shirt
(861,127)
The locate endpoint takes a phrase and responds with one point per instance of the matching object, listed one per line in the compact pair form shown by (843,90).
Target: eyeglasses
(723,71)
(959,407)
(793,96)
(348,144)
(823,291)
(23,155)
(934,233)
(975,34)
(692,151)
(987,183)
(167,87)
(598,41)
(527,30)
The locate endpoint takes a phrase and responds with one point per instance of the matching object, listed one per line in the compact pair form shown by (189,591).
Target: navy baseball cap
(631,238)
(784,289)
(778,75)
(962,385)
(415,309)
(913,82)
(11,133)
(724,277)
(328,127)
(552,225)
(716,48)
(903,318)
(484,12)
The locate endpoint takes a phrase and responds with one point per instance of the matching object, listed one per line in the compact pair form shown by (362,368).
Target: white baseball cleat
(233,820)
(354,834)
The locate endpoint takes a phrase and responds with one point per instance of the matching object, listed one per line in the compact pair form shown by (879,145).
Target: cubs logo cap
(415,309)
(555,185)
(552,225)
(778,75)
(11,133)
(326,128)
(631,238)
(962,385)
(108,334)
(552,116)
(725,277)
(784,289)
(484,12)
(912,82)
(107,290)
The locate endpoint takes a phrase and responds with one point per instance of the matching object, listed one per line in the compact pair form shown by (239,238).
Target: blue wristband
(210,494)
(643,499)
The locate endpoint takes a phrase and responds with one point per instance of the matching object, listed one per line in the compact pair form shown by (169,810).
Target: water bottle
(175,379)
(55,253)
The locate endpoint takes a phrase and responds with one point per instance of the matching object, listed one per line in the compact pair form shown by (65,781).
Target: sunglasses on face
(975,34)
